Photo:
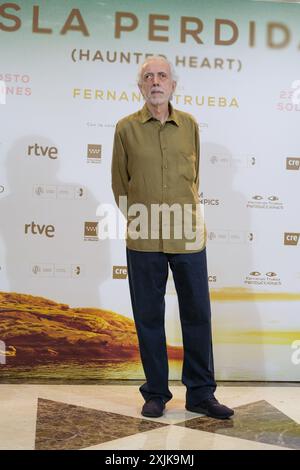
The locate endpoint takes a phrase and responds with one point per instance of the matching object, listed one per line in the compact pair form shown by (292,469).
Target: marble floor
(108,417)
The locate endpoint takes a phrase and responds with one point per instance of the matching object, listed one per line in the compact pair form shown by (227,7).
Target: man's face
(156,82)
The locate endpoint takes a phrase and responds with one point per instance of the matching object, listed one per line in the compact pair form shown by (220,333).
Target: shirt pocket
(187,166)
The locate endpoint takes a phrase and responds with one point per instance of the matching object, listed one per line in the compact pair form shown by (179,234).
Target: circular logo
(36,269)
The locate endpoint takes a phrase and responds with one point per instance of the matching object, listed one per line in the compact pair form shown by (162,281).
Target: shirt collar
(146,115)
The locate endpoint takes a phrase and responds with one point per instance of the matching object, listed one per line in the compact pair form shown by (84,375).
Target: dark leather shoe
(211,407)
(153,408)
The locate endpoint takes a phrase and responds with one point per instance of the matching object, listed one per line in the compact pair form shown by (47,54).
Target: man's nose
(156,79)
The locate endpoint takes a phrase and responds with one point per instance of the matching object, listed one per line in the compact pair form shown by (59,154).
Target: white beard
(157,98)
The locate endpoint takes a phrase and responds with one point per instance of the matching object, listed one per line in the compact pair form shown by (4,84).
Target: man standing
(155,168)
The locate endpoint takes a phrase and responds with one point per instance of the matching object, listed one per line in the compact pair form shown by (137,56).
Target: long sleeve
(119,171)
(197,146)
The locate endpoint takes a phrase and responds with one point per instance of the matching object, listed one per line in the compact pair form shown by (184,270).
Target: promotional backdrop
(67,75)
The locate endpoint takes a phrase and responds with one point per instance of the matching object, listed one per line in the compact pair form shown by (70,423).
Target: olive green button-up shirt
(156,166)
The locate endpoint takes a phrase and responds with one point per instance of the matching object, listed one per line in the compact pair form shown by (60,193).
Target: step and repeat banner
(67,75)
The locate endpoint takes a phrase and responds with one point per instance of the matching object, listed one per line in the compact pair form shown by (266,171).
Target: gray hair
(157,57)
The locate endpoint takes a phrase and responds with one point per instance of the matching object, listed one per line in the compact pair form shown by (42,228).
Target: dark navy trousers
(148,274)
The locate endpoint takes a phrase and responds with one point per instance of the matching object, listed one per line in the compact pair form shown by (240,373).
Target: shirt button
(166,166)
(165,186)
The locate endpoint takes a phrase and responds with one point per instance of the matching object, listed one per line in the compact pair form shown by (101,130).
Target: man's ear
(174,84)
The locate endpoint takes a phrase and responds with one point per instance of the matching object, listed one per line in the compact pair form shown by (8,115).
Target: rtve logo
(291,238)
(40,151)
(37,229)
(292,163)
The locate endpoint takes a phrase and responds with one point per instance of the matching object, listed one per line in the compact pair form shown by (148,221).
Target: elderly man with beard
(155,163)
